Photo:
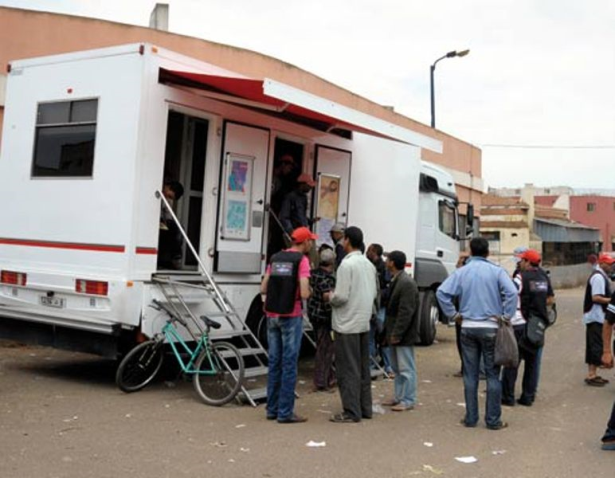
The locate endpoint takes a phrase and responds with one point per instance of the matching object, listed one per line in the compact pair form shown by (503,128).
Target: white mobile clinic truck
(89,138)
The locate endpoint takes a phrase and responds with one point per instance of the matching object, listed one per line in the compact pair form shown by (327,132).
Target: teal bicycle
(217,369)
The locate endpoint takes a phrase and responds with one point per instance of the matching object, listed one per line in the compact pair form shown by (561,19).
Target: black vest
(588,303)
(283,285)
(534,293)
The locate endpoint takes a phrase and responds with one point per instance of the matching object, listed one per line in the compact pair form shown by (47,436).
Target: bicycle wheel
(219,374)
(140,366)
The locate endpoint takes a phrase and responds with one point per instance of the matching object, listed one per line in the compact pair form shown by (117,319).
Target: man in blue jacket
(485,292)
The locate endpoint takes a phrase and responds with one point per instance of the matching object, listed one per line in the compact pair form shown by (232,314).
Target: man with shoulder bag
(530,324)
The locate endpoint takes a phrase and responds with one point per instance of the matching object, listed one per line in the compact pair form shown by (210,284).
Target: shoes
(400,407)
(525,403)
(293,419)
(500,426)
(608,445)
(596,381)
(390,403)
(458,374)
(508,403)
(272,417)
(343,418)
(466,424)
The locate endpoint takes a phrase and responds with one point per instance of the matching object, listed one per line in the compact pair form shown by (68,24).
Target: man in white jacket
(353,302)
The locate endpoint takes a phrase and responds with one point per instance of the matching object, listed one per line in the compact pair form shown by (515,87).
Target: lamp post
(450,54)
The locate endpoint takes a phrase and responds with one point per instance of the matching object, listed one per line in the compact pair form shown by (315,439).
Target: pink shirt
(304,273)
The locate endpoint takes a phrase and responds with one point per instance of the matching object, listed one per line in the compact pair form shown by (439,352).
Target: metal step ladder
(181,288)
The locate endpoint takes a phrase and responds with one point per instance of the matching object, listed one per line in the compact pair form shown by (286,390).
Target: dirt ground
(62,416)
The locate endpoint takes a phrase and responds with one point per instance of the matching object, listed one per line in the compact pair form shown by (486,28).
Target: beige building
(27,34)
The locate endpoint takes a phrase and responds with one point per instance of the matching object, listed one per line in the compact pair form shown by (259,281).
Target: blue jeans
(477,343)
(385,352)
(609,435)
(284,336)
(404,367)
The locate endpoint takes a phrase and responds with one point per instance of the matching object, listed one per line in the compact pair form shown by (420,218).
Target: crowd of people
(364,307)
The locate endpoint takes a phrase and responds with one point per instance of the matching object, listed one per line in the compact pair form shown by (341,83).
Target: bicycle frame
(173,337)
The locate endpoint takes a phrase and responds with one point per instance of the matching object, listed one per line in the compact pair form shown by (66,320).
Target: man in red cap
(285,284)
(597,298)
(293,213)
(535,293)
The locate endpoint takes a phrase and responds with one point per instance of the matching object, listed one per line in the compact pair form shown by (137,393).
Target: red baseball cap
(605,259)
(531,255)
(302,234)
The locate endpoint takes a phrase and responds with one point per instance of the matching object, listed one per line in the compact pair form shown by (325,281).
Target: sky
(536,93)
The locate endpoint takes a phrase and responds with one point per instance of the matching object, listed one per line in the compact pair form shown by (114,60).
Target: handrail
(210,279)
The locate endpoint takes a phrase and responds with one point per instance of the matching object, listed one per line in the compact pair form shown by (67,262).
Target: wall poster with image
(327,207)
(237,197)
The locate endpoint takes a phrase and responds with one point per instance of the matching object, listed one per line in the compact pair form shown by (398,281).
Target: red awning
(294,105)
(253,91)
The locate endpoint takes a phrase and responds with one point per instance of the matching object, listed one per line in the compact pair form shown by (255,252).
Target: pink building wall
(602,217)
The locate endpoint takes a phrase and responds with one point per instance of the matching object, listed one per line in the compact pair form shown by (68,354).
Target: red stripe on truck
(63,245)
(147,250)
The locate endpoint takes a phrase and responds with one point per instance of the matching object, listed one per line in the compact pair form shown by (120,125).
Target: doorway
(185,154)
(287,167)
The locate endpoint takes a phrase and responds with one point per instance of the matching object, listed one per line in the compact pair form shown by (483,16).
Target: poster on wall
(237,197)
(327,206)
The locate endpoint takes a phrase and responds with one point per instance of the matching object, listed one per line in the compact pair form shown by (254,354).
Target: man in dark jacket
(293,212)
(402,331)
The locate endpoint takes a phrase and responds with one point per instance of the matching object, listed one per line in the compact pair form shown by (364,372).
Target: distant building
(542,222)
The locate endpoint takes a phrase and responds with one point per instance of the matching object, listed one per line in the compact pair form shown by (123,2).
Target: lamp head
(463,52)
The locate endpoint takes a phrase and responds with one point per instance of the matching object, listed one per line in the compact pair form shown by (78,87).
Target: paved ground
(61,416)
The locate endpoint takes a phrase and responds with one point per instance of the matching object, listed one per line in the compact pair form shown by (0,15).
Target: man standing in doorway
(353,302)
(402,331)
(485,293)
(597,297)
(337,236)
(285,284)
(293,213)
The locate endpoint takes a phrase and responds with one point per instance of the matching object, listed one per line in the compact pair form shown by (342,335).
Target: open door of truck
(241,218)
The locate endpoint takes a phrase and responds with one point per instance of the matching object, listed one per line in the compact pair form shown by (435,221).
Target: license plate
(53,302)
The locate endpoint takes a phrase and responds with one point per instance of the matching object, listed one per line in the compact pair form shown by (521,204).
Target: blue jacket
(484,290)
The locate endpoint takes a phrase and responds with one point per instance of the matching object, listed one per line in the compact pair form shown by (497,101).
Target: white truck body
(103,226)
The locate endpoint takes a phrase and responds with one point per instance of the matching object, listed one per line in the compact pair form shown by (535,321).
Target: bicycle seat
(210,323)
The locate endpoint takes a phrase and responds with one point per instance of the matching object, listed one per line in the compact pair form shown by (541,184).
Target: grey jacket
(355,294)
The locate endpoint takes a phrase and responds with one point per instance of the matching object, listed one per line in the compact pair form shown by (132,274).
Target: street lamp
(450,54)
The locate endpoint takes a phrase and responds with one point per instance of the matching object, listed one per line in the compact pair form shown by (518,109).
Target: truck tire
(429,315)
(257,322)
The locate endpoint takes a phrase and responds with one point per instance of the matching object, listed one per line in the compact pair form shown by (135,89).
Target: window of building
(65,137)
(591,206)
(446,214)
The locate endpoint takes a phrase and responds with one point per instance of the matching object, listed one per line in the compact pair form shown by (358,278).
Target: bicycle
(217,368)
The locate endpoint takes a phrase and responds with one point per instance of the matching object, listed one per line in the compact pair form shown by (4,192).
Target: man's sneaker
(293,419)
(608,445)
(343,418)
(500,426)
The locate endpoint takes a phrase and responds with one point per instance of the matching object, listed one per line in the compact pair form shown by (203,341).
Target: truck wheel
(429,317)
(257,322)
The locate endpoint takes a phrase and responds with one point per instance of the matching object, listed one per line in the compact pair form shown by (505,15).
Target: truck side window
(65,137)
(446,215)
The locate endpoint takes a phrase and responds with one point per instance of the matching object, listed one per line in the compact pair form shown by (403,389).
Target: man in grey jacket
(353,302)
(402,331)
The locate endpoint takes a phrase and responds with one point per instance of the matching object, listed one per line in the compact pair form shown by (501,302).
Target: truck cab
(438,241)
